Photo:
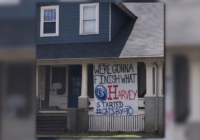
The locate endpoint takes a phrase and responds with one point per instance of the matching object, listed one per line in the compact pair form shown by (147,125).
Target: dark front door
(75,74)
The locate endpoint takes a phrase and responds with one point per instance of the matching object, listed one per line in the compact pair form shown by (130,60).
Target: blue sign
(101,92)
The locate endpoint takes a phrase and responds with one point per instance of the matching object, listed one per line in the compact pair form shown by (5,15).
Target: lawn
(102,135)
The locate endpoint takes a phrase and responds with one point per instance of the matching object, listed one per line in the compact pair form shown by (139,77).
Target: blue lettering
(117,111)
(130,108)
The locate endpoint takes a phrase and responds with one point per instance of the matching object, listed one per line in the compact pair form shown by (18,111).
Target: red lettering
(115,92)
(135,93)
(120,94)
(124,94)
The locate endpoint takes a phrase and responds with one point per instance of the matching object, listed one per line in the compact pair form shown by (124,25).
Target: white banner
(115,89)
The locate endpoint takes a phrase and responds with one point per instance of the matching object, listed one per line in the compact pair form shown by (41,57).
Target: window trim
(81,19)
(42,21)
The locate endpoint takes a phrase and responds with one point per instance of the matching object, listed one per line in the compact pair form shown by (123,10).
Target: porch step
(50,132)
(52,118)
(51,128)
(51,122)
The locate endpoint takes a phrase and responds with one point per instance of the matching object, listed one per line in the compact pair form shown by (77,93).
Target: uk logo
(101,93)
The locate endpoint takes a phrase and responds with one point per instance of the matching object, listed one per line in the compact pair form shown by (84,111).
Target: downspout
(156,117)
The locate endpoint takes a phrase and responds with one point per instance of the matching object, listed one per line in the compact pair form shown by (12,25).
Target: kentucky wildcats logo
(101,92)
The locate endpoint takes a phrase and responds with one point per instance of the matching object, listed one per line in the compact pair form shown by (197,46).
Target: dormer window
(49,21)
(89,19)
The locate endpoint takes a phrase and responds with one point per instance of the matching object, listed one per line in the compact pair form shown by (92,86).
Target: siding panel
(69,14)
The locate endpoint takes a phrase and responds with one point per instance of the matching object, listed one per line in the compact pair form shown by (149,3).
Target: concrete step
(50,132)
(51,129)
(51,123)
(51,119)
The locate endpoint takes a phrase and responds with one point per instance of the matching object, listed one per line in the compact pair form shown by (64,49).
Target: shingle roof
(141,37)
(147,36)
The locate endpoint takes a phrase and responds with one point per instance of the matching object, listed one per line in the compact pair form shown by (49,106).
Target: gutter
(156,114)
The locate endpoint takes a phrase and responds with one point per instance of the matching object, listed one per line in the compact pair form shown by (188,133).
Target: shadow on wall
(108,49)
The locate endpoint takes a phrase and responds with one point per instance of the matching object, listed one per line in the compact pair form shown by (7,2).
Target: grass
(102,135)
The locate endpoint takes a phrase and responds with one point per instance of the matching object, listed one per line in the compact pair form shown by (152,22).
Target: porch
(68,84)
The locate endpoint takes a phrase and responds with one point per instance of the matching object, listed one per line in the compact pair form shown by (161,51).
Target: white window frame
(42,21)
(81,19)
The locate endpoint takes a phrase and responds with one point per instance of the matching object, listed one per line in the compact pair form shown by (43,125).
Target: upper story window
(89,18)
(49,21)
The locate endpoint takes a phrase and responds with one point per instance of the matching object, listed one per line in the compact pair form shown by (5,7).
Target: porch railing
(117,123)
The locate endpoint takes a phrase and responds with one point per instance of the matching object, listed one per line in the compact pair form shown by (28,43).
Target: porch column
(160,80)
(150,101)
(149,80)
(83,99)
(194,88)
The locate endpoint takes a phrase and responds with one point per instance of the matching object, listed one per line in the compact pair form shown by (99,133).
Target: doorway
(75,78)
(58,82)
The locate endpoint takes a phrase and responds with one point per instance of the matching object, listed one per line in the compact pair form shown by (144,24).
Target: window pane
(50,15)
(78,78)
(74,83)
(89,26)
(49,27)
(73,91)
(54,14)
(89,12)
(77,91)
(78,84)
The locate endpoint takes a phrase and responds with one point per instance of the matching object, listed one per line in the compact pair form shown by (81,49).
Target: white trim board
(109,21)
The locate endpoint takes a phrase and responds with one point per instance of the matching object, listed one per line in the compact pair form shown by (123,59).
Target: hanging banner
(115,89)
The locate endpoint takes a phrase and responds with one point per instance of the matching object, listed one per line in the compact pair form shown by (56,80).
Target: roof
(147,36)
(126,10)
(141,37)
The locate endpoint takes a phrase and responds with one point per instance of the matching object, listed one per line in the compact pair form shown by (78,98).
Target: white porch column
(83,99)
(149,80)
(84,81)
(194,87)
(154,107)
(160,80)
(37,80)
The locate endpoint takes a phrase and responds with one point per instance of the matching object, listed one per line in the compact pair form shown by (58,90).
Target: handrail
(39,94)
(39,97)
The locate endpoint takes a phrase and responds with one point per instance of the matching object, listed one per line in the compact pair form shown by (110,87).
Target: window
(49,21)
(76,88)
(89,19)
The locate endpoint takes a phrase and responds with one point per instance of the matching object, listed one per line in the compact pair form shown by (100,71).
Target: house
(77,42)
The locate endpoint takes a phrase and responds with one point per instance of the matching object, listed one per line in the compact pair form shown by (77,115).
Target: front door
(75,75)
